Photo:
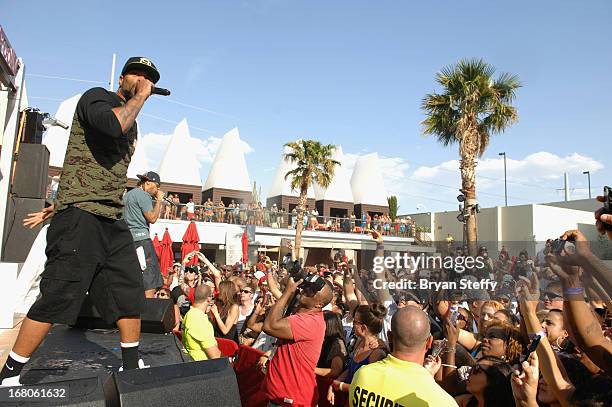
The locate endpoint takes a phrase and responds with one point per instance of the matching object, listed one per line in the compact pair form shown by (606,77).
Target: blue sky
(346,72)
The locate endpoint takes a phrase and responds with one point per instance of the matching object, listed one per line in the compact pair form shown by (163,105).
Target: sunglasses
(550,296)
(246,291)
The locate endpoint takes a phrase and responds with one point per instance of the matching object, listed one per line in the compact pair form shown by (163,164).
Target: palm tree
(472,107)
(313,162)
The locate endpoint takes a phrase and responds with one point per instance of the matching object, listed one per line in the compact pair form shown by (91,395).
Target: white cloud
(533,178)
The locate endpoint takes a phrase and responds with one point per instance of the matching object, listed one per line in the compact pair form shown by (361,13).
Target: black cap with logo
(150,176)
(141,64)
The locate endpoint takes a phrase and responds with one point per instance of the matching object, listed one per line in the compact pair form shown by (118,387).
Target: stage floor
(72,353)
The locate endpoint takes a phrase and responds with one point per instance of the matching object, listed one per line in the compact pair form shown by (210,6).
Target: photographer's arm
(582,323)
(275,325)
(585,258)
(273,285)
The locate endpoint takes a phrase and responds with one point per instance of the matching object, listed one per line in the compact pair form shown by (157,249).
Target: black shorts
(88,253)
(151,275)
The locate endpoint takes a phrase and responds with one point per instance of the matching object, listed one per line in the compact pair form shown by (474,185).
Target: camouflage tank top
(94,174)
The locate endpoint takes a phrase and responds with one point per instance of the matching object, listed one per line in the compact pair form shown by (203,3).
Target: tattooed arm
(126,114)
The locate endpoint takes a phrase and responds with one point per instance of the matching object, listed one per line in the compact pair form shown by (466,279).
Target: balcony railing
(402,227)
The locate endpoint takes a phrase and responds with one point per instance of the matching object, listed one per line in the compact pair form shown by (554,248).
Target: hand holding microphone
(159,91)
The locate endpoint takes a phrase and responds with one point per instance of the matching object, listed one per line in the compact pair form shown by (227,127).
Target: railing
(281,219)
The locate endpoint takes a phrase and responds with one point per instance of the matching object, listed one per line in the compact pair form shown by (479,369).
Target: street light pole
(505,179)
(588,174)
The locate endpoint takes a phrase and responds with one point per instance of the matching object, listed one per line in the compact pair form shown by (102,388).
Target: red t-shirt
(291,371)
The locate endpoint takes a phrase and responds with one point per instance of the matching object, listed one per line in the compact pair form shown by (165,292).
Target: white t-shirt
(190,207)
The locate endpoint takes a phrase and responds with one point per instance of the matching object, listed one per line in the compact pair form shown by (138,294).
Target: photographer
(291,379)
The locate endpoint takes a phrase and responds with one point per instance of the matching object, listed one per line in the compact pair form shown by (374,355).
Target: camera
(557,246)
(312,283)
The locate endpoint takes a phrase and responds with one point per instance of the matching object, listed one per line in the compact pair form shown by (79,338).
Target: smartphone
(266,300)
(607,206)
(454,314)
(437,349)
(531,348)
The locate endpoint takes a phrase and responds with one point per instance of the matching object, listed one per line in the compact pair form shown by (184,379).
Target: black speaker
(209,382)
(31,171)
(157,318)
(88,392)
(34,128)
(18,239)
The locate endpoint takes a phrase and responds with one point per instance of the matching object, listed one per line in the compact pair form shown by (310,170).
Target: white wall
(551,222)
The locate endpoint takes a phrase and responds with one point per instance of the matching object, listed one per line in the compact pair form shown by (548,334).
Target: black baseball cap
(141,64)
(150,176)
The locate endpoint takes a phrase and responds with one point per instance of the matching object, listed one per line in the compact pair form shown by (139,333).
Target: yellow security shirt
(198,334)
(392,382)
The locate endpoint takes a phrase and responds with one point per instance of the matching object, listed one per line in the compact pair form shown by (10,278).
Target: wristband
(340,386)
(573,290)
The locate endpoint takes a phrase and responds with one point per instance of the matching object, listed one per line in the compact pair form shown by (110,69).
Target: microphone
(168,201)
(160,91)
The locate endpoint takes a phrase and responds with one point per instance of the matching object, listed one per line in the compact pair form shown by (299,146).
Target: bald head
(201,294)
(410,328)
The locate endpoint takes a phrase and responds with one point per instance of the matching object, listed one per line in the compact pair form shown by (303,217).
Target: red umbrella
(157,246)
(191,242)
(245,248)
(166,256)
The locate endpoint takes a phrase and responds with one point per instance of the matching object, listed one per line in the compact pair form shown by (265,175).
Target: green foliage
(472,101)
(393,208)
(313,162)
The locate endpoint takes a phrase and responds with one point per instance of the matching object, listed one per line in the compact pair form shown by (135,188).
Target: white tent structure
(228,178)
(56,138)
(340,187)
(229,169)
(368,185)
(337,199)
(179,164)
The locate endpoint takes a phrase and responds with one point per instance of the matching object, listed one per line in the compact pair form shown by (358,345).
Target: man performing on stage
(89,246)
(139,213)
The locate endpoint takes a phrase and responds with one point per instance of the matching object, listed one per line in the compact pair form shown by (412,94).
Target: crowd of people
(542,337)
(255,213)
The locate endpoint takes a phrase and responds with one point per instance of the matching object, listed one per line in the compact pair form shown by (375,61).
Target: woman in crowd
(246,305)
(488,384)
(333,356)
(226,311)
(471,341)
(369,348)
(555,331)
